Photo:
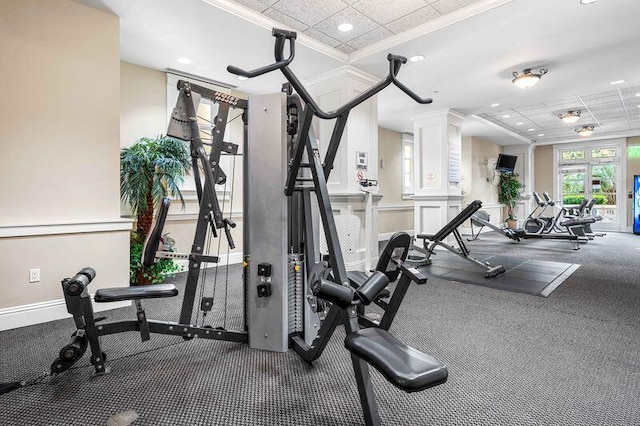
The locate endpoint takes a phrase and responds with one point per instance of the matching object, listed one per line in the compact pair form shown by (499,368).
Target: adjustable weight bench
(390,263)
(431,241)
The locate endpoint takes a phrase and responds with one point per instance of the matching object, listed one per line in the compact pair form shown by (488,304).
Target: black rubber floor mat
(534,277)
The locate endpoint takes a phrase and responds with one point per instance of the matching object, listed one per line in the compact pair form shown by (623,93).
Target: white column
(525,169)
(437,164)
(358,153)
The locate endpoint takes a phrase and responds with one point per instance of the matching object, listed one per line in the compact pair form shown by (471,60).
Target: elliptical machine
(536,223)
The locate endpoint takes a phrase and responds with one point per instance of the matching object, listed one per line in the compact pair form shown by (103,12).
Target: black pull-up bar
(395,62)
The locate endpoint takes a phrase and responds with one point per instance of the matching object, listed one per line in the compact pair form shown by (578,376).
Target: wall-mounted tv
(506,163)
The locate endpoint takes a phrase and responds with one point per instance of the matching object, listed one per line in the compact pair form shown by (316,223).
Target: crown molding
(346,71)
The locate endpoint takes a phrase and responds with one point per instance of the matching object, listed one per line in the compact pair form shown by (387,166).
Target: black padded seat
(405,367)
(425,236)
(357,278)
(152,291)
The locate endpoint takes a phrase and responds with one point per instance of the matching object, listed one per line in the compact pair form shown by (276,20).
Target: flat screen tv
(506,163)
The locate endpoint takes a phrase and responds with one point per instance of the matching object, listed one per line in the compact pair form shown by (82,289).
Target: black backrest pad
(398,246)
(465,214)
(152,242)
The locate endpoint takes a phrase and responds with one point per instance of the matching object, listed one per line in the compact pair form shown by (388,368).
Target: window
(407,164)
(576,154)
(603,153)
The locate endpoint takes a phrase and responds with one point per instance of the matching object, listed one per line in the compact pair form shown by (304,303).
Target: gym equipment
(481,219)
(577,220)
(438,238)
(564,221)
(293,299)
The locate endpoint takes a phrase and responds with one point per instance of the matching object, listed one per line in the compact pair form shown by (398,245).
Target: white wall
(60,135)
(394,212)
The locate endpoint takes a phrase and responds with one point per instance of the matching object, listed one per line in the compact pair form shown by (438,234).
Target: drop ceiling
(372,20)
(610,112)
(470,54)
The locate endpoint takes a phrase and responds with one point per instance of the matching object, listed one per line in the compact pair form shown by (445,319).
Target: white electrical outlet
(34,275)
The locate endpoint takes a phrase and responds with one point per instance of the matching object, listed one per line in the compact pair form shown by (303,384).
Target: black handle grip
(227,232)
(395,61)
(258,71)
(335,293)
(279,32)
(368,291)
(279,64)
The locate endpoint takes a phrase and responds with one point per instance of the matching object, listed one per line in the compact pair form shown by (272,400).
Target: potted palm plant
(509,191)
(150,170)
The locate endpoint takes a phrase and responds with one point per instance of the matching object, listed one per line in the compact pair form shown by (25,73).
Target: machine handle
(280,35)
(395,62)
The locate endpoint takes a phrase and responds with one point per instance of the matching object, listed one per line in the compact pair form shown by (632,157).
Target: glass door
(593,172)
(573,184)
(604,189)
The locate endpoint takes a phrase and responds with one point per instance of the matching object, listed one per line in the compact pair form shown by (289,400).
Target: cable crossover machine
(293,298)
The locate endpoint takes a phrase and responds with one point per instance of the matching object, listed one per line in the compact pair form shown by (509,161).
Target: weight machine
(293,298)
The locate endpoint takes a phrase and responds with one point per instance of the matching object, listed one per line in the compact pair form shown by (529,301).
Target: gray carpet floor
(514,359)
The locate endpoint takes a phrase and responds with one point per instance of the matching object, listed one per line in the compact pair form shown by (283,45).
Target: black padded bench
(117,294)
(405,367)
(450,228)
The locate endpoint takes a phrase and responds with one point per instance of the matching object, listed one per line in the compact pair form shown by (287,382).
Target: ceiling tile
(254,4)
(361,25)
(385,11)
(313,33)
(447,6)
(412,20)
(285,19)
(369,38)
(310,11)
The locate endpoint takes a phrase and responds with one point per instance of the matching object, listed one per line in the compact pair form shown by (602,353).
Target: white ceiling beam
(508,132)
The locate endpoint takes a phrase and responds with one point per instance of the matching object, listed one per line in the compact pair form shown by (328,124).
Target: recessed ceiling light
(587,1)
(416,58)
(638,94)
(242,77)
(495,105)
(613,83)
(519,123)
(531,130)
(185,61)
(506,116)
(345,27)
(540,135)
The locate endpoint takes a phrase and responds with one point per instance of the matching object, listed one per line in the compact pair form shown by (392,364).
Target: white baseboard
(37,313)
(385,236)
